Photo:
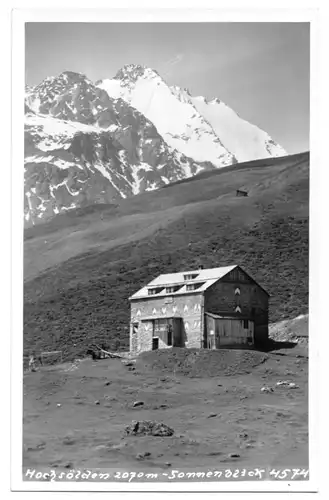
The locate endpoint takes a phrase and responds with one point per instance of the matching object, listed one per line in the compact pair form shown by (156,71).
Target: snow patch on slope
(55,127)
(58,162)
(244,140)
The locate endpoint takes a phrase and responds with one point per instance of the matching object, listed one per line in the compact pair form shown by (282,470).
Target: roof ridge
(199,270)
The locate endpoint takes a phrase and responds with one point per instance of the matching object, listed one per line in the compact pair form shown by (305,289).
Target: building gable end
(239,275)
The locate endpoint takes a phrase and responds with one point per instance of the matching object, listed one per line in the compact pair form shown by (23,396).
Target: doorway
(155,343)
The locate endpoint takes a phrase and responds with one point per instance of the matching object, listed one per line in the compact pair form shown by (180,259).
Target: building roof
(205,277)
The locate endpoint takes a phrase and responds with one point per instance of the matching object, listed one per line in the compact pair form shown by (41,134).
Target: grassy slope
(80,269)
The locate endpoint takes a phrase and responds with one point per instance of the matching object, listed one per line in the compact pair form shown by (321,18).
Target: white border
(18,81)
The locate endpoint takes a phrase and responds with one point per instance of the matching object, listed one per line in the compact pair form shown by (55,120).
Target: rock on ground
(148,428)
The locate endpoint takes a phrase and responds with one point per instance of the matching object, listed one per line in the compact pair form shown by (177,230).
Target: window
(245,324)
(160,324)
(193,286)
(190,276)
(172,289)
(154,291)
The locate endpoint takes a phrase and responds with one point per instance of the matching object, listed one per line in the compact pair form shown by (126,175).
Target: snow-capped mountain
(83,147)
(204,130)
(91,143)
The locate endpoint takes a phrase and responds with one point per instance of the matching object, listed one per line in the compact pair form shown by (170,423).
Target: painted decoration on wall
(187,326)
(237,309)
(174,309)
(154,311)
(164,310)
(147,326)
(197,308)
(196,324)
(237,291)
(185,308)
(138,312)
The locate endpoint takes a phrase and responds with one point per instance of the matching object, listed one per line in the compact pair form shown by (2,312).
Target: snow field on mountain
(178,122)
(205,131)
(244,140)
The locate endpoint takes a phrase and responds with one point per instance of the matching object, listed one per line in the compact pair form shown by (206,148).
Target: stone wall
(187,307)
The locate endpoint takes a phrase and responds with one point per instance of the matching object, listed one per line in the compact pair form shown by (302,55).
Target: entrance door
(155,343)
(177,340)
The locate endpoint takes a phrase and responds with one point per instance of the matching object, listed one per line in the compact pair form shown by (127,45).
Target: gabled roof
(207,277)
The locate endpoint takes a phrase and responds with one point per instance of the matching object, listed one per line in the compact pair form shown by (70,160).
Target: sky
(261,70)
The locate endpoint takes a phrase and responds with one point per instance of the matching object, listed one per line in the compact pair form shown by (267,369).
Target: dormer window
(191,276)
(193,286)
(172,289)
(154,291)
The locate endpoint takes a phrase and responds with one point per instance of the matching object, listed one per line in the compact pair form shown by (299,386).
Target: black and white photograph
(165,324)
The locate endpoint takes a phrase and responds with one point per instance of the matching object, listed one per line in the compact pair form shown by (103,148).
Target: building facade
(206,308)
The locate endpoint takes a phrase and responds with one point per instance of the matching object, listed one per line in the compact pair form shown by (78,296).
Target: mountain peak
(64,79)
(72,75)
(134,71)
